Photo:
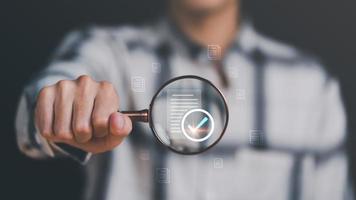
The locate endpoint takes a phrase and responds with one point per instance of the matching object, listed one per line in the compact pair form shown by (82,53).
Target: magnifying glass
(188,114)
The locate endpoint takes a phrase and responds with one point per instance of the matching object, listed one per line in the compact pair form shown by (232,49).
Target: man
(287,124)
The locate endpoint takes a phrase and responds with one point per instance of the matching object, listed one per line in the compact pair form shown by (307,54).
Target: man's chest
(275,105)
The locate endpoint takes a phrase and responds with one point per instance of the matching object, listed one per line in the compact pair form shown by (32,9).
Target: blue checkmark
(201,123)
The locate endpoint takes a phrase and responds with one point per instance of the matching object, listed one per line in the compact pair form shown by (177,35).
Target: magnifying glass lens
(189,115)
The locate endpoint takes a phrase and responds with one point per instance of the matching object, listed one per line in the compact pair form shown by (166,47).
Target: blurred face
(201,6)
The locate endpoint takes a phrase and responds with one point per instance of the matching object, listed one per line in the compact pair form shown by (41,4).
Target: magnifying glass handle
(138,116)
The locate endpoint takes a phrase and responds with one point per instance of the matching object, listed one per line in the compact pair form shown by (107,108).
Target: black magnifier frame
(146,115)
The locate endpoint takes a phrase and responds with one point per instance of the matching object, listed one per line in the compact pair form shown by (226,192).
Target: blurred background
(30,30)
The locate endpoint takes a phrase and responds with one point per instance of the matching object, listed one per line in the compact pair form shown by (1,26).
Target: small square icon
(214,52)
(138,84)
(218,163)
(233,71)
(163,175)
(144,155)
(240,94)
(257,137)
(156,67)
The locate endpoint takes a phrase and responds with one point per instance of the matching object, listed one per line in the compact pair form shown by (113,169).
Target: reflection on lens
(188,115)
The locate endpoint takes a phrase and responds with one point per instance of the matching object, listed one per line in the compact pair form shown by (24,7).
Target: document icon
(218,163)
(163,175)
(156,67)
(257,137)
(137,84)
(179,102)
(214,52)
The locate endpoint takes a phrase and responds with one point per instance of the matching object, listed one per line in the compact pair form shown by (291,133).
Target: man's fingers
(82,109)
(120,124)
(44,111)
(63,105)
(106,102)
(120,127)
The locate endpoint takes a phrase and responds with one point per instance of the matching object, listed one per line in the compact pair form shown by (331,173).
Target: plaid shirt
(287,129)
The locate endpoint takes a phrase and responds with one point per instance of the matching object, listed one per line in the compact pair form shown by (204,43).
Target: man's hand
(82,113)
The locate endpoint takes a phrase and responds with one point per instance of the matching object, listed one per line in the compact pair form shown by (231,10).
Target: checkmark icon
(197,131)
(201,123)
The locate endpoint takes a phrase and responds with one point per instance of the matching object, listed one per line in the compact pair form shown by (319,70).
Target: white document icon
(138,84)
(179,102)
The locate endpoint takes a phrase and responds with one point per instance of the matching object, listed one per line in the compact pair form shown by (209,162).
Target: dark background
(30,30)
